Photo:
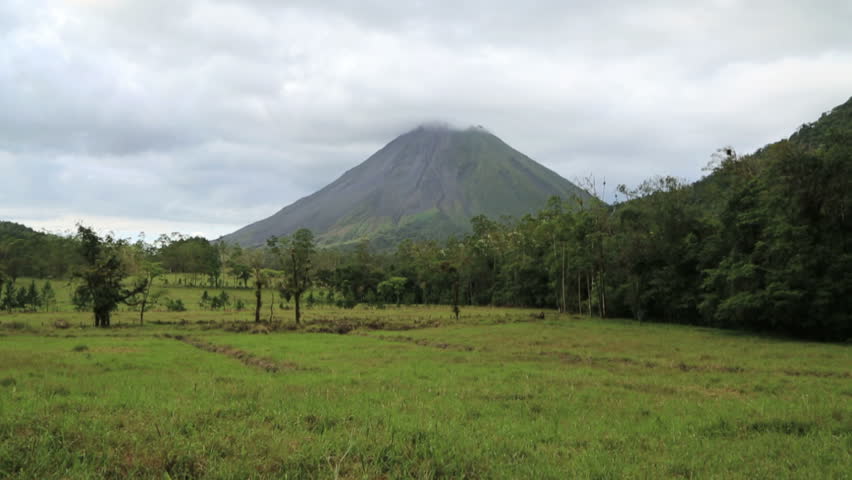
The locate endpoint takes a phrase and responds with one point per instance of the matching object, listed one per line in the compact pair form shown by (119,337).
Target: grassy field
(410,393)
(167,287)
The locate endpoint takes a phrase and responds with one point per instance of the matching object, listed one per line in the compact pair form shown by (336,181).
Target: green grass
(496,395)
(168,286)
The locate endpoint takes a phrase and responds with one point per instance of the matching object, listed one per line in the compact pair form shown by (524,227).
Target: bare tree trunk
(296,298)
(559,304)
(579,294)
(456,298)
(258,303)
(636,298)
(600,295)
(589,291)
(145,293)
(102,318)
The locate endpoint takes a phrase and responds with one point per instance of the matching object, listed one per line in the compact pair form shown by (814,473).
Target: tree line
(761,243)
(27,298)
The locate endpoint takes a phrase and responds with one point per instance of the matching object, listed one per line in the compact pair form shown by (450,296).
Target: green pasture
(167,287)
(411,393)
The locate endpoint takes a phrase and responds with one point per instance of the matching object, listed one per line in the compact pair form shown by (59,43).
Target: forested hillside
(25,252)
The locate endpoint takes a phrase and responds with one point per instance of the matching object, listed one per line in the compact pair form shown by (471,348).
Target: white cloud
(219,113)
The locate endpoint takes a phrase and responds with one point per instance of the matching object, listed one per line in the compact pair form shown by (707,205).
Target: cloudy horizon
(202,116)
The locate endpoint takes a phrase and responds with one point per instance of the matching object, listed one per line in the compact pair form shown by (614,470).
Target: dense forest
(761,243)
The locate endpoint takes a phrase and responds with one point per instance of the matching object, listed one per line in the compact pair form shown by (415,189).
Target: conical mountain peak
(427,183)
(445,128)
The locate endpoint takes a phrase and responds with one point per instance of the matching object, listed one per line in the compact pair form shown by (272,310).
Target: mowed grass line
(567,398)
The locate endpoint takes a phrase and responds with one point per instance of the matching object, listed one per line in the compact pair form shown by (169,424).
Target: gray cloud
(214,114)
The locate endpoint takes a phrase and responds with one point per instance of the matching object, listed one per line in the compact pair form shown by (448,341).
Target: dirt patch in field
(345,325)
(422,342)
(684,367)
(726,429)
(817,373)
(115,350)
(517,397)
(597,361)
(247,358)
(572,358)
(656,389)
(714,392)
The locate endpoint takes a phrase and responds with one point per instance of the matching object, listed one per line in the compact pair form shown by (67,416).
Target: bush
(346,303)
(262,329)
(220,301)
(205,300)
(17,326)
(80,348)
(175,305)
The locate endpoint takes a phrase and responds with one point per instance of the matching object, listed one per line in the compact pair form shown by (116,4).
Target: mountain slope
(832,131)
(832,128)
(427,183)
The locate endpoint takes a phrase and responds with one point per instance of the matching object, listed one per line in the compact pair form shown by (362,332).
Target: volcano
(426,184)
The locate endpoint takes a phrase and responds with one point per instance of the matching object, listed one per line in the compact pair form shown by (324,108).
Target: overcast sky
(203,116)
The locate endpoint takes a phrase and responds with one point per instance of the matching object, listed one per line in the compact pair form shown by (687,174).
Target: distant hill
(15,231)
(25,252)
(425,184)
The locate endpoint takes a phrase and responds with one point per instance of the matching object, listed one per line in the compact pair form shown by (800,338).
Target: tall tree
(255,262)
(295,254)
(102,275)
(48,296)
(33,297)
(9,299)
(393,287)
(146,299)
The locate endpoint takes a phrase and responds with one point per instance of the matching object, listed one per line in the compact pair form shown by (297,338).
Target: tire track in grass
(419,341)
(247,358)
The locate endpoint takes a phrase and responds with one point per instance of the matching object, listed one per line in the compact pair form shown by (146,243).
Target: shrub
(17,326)
(205,300)
(61,324)
(263,329)
(220,301)
(175,305)
(346,303)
